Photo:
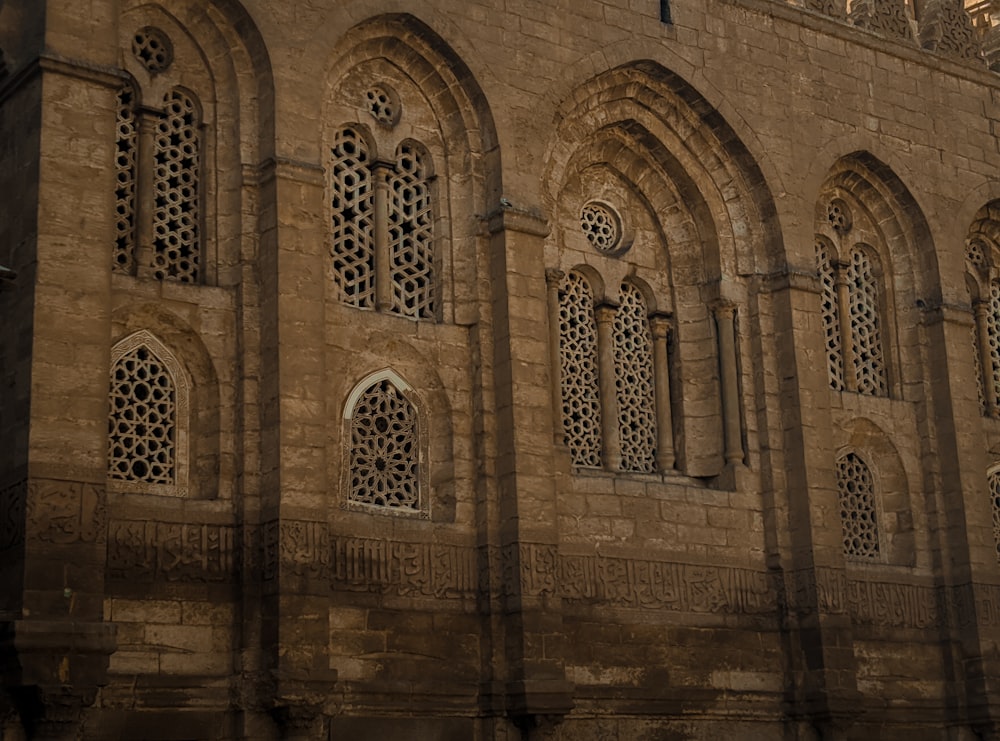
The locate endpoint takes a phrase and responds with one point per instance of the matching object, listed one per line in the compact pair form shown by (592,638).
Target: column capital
(604,312)
(554,277)
(724,308)
(661,324)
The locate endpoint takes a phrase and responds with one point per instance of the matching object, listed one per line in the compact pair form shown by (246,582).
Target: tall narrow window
(857,507)
(351,197)
(126,147)
(385,451)
(142,428)
(633,352)
(176,249)
(995,506)
(831,318)
(382,238)
(993,338)
(864,313)
(581,404)
(411,244)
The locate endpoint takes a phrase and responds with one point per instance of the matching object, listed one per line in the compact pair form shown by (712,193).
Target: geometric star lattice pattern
(175,185)
(579,380)
(384,449)
(142,421)
(411,246)
(857,507)
(634,381)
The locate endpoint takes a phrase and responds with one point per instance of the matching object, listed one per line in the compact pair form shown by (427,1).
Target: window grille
(633,351)
(581,406)
(857,507)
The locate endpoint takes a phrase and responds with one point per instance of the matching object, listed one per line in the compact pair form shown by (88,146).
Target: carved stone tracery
(857,507)
(945,27)
(633,351)
(884,17)
(581,407)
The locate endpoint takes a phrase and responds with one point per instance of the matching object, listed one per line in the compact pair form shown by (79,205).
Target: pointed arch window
(382,227)
(633,353)
(983,283)
(994,480)
(858,512)
(148,418)
(384,468)
(579,380)
(158,187)
(851,314)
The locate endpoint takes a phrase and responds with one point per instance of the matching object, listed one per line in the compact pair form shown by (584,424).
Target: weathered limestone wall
(525,594)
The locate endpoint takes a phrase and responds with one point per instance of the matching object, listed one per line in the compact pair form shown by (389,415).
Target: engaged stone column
(725,319)
(144,190)
(553,279)
(659,323)
(981,309)
(383,280)
(844,317)
(605,314)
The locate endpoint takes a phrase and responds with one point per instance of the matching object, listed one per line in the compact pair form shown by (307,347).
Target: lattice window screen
(384,449)
(581,403)
(142,426)
(831,317)
(411,246)
(633,347)
(995,502)
(126,144)
(865,323)
(857,507)
(176,248)
(974,332)
(993,335)
(353,247)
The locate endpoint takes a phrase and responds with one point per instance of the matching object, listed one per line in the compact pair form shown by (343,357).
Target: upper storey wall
(798,88)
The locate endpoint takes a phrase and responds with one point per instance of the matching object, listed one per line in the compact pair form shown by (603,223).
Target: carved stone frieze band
(154,551)
(65,512)
(13,500)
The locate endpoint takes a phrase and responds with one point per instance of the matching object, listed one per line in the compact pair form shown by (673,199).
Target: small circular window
(153,49)
(602,226)
(839,216)
(383,105)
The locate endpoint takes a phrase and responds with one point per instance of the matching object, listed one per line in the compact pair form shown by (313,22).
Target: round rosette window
(603,227)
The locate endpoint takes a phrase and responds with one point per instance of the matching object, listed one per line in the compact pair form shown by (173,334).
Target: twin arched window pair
(852,318)
(148,425)
(613,379)
(157,199)
(382,227)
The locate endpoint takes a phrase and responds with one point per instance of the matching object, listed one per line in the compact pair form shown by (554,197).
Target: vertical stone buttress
(55,645)
(802,515)
(536,685)
(295,490)
(966,563)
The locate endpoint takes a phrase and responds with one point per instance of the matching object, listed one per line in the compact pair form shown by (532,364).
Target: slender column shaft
(725,318)
(145,190)
(665,457)
(553,279)
(844,318)
(383,270)
(605,314)
(981,309)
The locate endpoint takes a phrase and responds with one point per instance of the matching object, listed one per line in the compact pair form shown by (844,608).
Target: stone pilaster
(536,684)
(805,550)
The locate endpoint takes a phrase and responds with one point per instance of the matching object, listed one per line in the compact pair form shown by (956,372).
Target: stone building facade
(423,369)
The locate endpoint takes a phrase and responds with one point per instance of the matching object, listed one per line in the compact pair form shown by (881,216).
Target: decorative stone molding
(403,569)
(65,512)
(140,551)
(884,17)
(835,8)
(13,504)
(946,28)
